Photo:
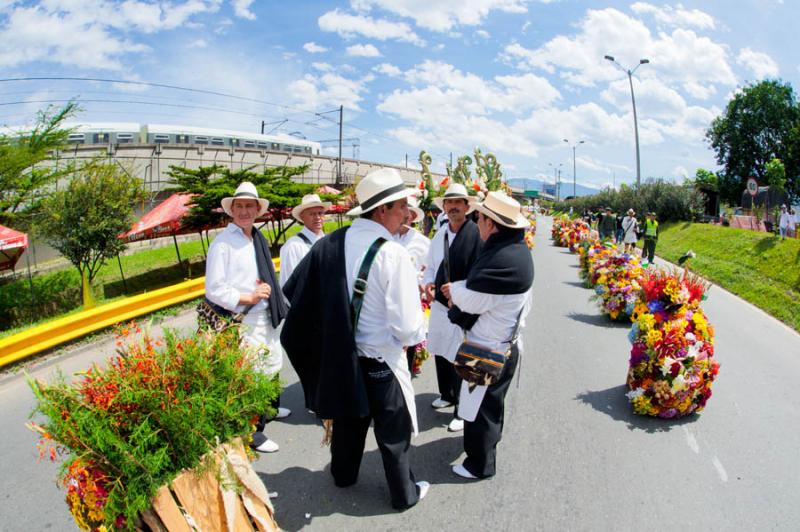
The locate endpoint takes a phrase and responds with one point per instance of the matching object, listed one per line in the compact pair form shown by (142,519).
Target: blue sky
(514,77)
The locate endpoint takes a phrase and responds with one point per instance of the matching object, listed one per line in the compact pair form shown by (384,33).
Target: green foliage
(757,267)
(705,179)
(152,413)
(21,179)
(84,220)
(759,124)
(669,201)
(776,175)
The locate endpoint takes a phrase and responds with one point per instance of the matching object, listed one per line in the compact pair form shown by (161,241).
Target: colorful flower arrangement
(569,233)
(672,364)
(126,429)
(615,277)
(530,231)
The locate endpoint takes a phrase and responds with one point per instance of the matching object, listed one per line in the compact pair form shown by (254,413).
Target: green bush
(54,293)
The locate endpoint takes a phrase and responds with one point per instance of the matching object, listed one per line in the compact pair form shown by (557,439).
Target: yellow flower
(653,337)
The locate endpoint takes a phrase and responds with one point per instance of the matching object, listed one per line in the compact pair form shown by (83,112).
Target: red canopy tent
(164,220)
(12,245)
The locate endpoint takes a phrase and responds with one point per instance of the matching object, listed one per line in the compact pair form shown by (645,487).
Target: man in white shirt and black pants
(490,305)
(352,365)
(453,249)
(311,213)
(240,277)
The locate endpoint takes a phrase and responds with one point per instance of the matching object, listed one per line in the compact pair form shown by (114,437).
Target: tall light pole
(630,72)
(557,178)
(574,179)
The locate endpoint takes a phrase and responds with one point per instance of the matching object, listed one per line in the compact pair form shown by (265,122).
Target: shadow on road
(292,398)
(599,320)
(575,283)
(613,403)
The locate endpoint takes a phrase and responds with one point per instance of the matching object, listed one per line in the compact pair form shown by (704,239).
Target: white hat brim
(227,202)
(418,212)
(519,223)
(358,211)
(439,202)
(303,206)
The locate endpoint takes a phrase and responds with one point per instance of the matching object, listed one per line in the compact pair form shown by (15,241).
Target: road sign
(752,186)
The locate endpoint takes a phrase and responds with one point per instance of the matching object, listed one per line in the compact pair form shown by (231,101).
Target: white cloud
(442,16)
(675,16)
(314,48)
(363,50)
(198,43)
(388,69)
(483,34)
(242,9)
(760,64)
(348,26)
(322,67)
(329,89)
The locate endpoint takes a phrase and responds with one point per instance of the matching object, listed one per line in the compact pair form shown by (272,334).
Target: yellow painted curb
(54,333)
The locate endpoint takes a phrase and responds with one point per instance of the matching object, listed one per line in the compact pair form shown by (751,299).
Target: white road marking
(691,441)
(723,475)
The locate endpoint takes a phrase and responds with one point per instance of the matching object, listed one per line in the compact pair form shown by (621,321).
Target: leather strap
(360,284)
(305,239)
(446,256)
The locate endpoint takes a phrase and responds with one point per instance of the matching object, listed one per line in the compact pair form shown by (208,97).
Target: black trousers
(649,249)
(392,432)
(258,436)
(411,352)
(482,435)
(449,382)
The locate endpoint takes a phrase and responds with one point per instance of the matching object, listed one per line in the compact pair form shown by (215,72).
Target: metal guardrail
(57,332)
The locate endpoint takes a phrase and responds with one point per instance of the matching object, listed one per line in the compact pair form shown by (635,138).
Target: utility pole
(630,72)
(341,123)
(406,161)
(262,126)
(574,179)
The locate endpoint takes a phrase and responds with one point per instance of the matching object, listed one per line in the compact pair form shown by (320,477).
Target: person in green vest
(650,238)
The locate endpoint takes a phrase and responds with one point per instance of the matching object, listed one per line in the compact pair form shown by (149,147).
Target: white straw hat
(503,210)
(456,191)
(309,201)
(413,206)
(246,190)
(378,188)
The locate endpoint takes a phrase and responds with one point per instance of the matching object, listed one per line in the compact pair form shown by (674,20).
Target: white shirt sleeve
(471,301)
(403,309)
(218,290)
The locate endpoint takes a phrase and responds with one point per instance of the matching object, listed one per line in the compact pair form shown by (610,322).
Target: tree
(210,184)
(758,125)
(20,177)
(84,220)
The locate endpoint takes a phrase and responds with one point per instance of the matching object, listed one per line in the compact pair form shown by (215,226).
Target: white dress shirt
(417,246)
(493,330)
(231,270)
(293,251)
(391,316)
(444,337)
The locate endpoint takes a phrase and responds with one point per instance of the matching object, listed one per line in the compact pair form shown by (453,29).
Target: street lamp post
(557,178)
(574,179)
(630,72)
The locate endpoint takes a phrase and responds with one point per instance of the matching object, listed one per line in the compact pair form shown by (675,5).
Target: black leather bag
(480,366)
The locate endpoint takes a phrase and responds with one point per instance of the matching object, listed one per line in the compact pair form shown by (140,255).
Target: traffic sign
(752,186)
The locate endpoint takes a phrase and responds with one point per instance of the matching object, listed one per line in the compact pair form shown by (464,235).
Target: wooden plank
(200,497)
(168,511)
(151,519)
(261,511)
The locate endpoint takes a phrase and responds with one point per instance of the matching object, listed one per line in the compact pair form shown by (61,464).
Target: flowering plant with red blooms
(672,364)
(127,428)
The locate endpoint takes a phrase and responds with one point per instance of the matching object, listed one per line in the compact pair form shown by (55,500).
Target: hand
(262,291)
(429,295)
(446,290)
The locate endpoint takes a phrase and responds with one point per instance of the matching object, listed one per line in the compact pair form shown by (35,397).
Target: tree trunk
(86,287)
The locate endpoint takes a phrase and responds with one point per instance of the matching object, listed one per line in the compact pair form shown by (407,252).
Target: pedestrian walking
(491,306)
(630,229)
(354,306)
(311,213)
(620,233)
(784,221)
(607,225)
(240,278)
(650,238)
(453,250)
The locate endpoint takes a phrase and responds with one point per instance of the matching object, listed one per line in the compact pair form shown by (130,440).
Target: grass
(758,267)
(58,292)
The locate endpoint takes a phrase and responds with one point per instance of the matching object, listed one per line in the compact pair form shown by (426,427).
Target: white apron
(444,337)
(399,366)
(258,334)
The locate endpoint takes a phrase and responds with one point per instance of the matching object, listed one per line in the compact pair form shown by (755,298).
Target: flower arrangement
(672,365)
(126,429)
(615,277)
(530,231)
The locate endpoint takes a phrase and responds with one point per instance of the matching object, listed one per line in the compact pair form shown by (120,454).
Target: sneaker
(282,413)
(456,425)
(441,403)
(423,488)
(268,446)
(462,472)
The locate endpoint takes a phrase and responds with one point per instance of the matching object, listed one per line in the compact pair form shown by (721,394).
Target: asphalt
(573,456)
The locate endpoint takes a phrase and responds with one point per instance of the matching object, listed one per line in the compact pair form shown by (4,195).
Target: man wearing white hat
(240,277)
(453,249)
(417,246)
(491,306)
(354,307)
(311,213)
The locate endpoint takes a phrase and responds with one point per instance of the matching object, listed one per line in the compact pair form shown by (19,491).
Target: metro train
(132,133)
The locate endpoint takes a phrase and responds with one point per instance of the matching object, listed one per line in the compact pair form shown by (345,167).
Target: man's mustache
(454,210)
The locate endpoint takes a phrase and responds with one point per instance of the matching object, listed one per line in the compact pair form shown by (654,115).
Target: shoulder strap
(360,284)
(305,239)
(446,256)
(515,332)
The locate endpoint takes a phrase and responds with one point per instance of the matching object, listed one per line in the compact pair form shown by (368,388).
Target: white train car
(170,134)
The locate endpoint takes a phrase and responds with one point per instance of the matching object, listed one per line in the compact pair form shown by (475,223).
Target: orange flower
(444,182)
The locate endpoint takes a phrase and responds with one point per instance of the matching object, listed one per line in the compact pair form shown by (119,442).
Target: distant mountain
(538,184)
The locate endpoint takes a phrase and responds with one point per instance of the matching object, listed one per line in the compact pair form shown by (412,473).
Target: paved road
(573,456)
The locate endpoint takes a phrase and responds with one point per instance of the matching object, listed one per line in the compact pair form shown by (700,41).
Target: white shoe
(268,446)
(423,488)
(441,403)
(282,413)
(457,425)
(461,471)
